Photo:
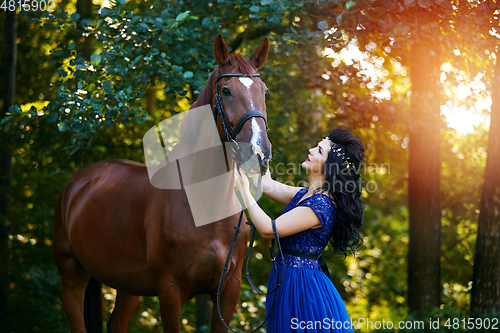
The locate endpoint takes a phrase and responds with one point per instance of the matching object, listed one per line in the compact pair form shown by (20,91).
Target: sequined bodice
(309,241)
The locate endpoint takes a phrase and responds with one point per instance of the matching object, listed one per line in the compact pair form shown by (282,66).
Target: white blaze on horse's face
(255,139)
(247,82)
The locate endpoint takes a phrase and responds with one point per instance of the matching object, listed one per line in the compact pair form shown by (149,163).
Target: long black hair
(343,184)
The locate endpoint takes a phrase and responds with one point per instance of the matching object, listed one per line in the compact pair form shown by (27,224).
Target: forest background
(416,80)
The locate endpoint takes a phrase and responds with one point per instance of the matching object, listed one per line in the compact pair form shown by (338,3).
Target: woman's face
(317,157)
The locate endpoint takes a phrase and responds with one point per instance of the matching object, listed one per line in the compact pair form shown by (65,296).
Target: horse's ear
(221,51)
(260,55)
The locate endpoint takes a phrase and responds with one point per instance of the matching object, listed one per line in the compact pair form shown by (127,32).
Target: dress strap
(322,261)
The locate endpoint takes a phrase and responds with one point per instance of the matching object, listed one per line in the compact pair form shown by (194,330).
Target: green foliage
(34,287)
(165,48)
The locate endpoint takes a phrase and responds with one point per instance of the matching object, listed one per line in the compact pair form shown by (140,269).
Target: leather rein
(230,133)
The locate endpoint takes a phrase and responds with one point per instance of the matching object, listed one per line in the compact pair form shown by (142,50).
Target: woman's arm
(292,222)
(277,191)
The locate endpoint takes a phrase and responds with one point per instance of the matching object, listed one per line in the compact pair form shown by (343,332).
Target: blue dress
(307,300)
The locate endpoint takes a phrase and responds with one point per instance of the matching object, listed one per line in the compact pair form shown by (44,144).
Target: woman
(329,210)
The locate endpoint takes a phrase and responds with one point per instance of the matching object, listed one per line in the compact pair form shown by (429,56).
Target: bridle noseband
(230,132)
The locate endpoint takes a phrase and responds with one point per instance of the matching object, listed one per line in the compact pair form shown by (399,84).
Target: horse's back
(103,185)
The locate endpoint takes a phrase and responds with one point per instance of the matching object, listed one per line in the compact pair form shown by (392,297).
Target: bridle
(230,133)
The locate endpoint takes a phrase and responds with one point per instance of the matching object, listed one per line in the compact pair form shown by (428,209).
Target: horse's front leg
(228,300)
(170,297)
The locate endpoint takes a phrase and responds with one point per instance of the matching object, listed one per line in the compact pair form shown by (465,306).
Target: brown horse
(113,225)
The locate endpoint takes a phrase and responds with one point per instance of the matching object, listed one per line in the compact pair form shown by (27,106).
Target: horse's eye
(226,92)
(267,91)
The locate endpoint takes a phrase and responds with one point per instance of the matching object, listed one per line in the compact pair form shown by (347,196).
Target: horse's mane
(235,63)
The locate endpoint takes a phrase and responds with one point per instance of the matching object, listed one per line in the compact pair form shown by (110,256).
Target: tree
(424,284)
(9,87)
(482,20)
(486,280)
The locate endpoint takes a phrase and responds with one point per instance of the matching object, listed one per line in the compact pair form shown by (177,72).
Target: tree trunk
(424,286)
(151,101)
(485,294)
(9,84)
(84,48)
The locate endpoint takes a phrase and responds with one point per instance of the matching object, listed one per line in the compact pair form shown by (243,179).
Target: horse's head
(242,96)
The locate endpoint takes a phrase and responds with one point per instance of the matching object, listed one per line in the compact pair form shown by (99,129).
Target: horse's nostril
(257,150)
(264,163)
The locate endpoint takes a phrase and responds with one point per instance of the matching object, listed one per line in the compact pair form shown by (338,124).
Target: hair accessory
(349,164)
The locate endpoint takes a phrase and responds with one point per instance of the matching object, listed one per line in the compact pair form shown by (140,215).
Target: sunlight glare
(369,66)
(460,116)
(462,119)
(455,111)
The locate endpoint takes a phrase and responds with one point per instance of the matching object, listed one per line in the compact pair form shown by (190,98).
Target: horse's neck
(205,168)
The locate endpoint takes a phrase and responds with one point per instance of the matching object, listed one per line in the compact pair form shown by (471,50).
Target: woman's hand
(263,178)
